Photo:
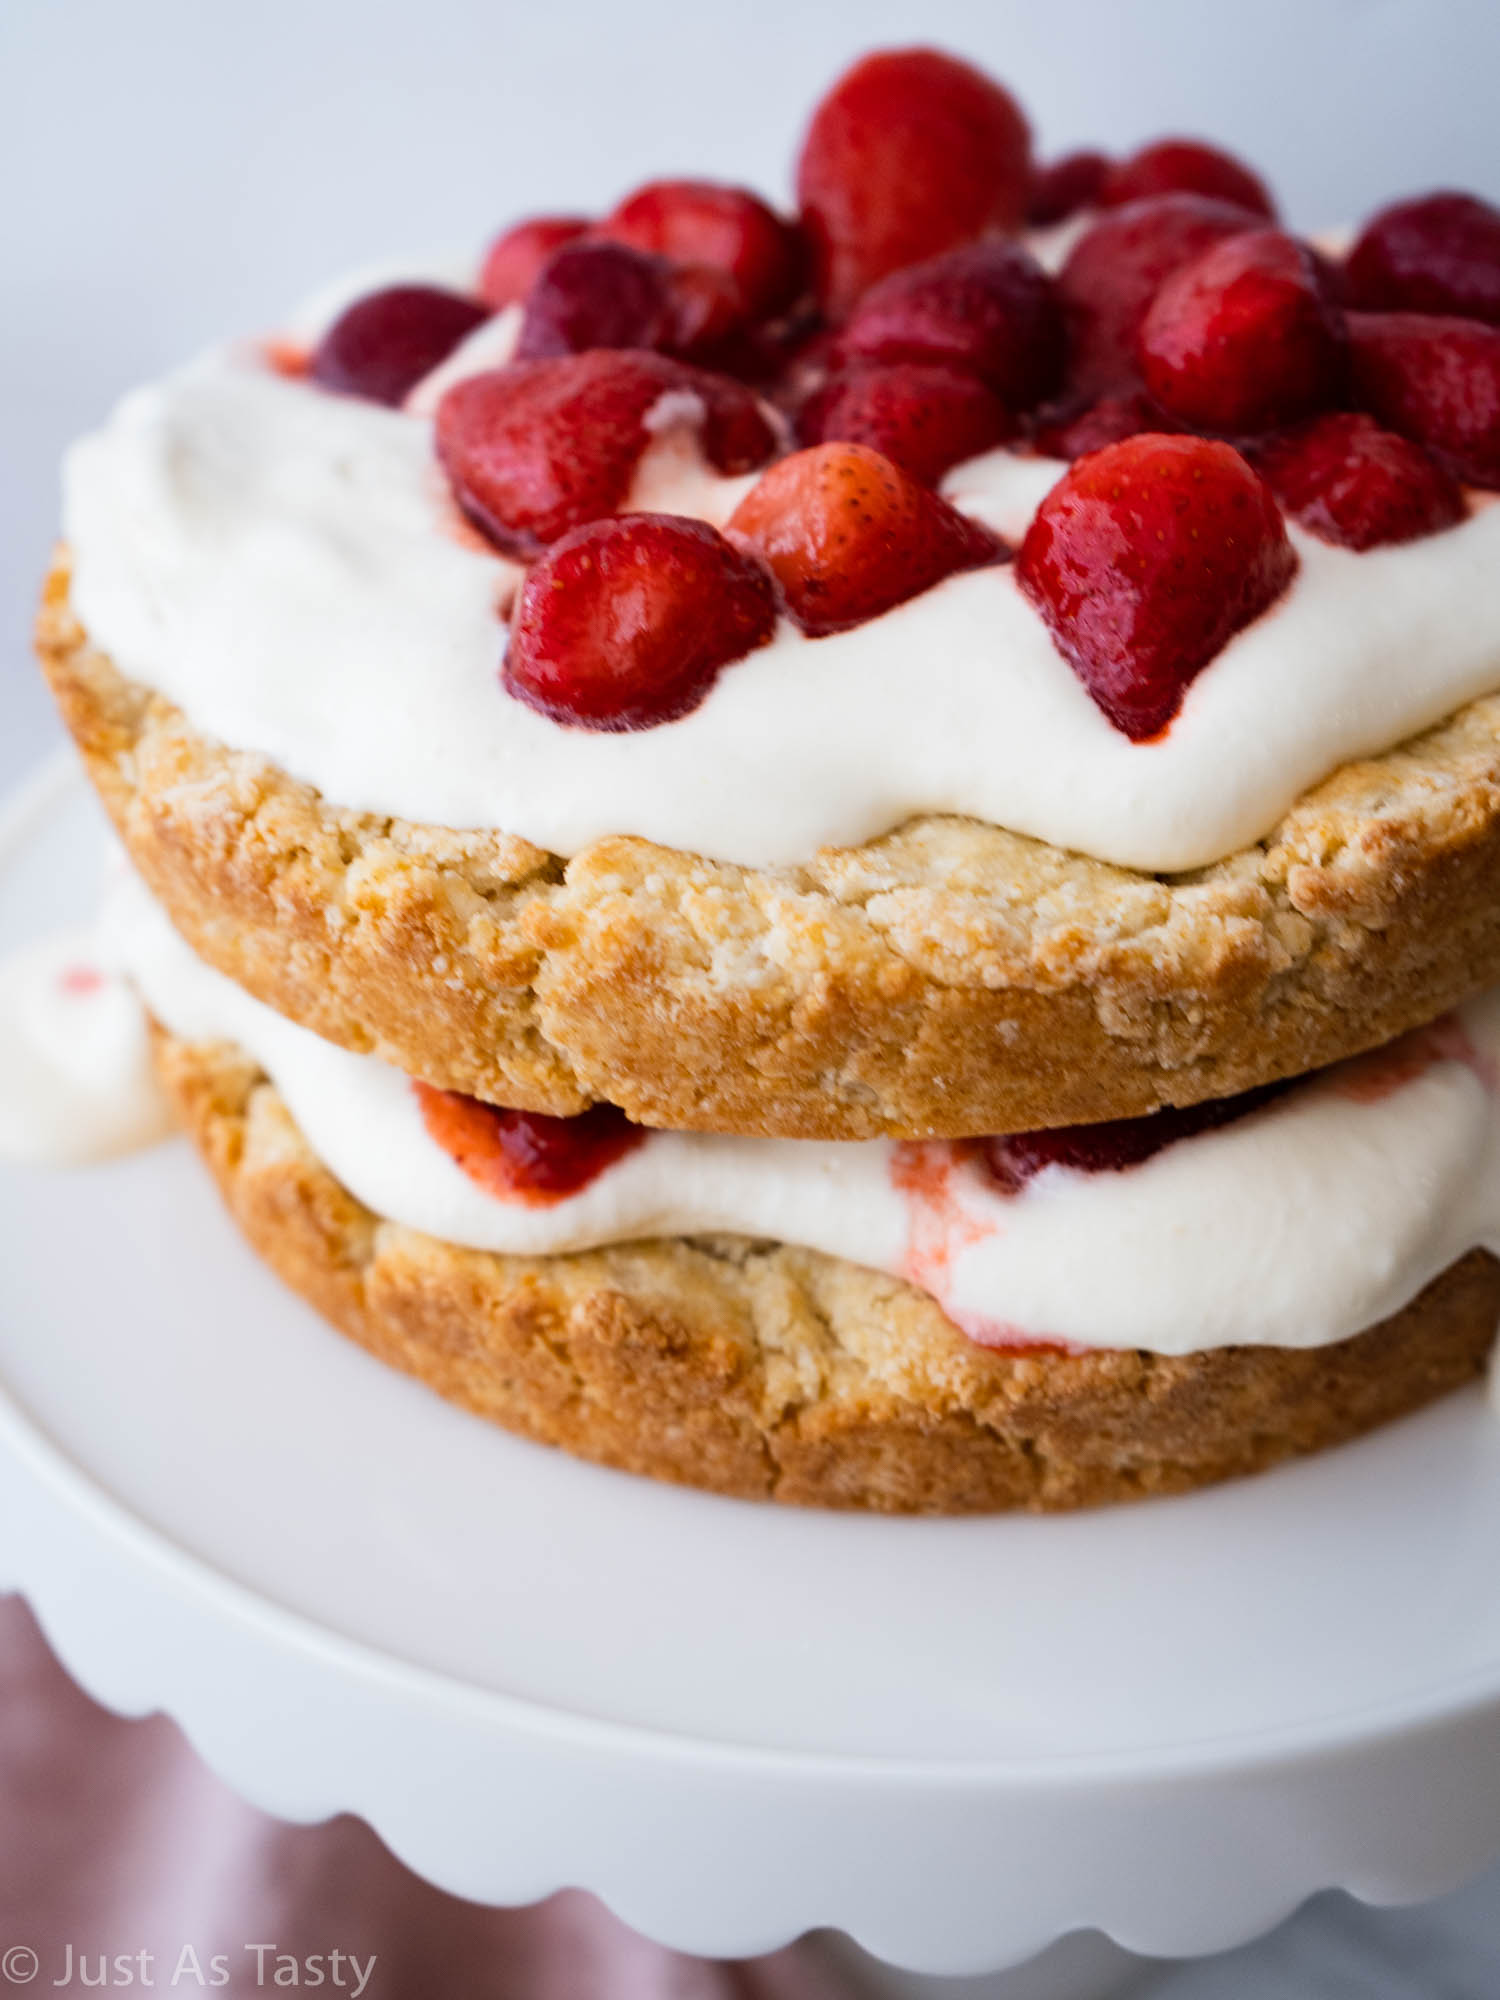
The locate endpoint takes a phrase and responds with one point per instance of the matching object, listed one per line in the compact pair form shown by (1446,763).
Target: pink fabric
(118,1841)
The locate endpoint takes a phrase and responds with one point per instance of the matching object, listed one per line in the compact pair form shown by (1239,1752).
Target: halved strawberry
(591,295)
(540,447)
(923,419)
(1186,166)
(513,260)
(1437,254)
(728,228)
(988,308)
(1243,338)
(1115,268)
(525,1156)
(1353,483)
(626,623)
(910,153)
(381,346)
(1435,380)
(1144,560)
(847,535)
(1084,423)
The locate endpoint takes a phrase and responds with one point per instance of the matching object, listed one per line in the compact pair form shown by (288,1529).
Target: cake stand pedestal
(956,1741)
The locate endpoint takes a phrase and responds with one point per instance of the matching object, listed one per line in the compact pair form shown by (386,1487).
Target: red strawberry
(591,295)
(1144,560)
(910,153)
(1349,481)
(1114,269)
(1083,424)
(382,345)
(1064,187)
(1117,1143)
(1435,380)
(988,308)
(848,535)
(1437,254)
(727,228)
(1186,166)
(526,1156)
(923,419)
(513,260)
(1242,338)
(625,623)
(543,446)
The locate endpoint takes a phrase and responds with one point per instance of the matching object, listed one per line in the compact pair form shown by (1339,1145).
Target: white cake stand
(956,1741)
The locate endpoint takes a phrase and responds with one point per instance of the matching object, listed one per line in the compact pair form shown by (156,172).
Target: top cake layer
(846,551)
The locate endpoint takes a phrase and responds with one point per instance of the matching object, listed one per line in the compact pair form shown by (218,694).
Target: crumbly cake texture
(946,980)
(759,1370)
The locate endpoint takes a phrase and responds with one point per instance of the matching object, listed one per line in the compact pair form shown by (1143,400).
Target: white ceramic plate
(955,1740)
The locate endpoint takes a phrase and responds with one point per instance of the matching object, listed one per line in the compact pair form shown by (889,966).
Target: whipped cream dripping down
(287,567)
(1301,1223)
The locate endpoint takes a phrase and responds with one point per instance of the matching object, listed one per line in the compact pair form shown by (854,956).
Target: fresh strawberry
(1115,268)
(382,345)
(525,1156)
(1144,560)
(847,535)
(923,419)
(988,308)
(540,447)
(513,260)
(1353,483)
(591,295)
(909,154)
(1437,254)
(1242,338)
(727,228)
(1435,380)
(1117,1143)
(1081,424)
(625,623)
(1186,166)
(1067,185)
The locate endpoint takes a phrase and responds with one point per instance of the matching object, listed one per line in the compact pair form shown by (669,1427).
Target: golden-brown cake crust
(769,1372)
(948,979)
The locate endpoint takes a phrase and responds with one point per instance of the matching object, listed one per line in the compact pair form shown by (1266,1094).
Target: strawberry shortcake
(851,855)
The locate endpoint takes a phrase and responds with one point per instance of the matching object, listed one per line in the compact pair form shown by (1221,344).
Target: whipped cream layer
(1303,1222)
(289,568)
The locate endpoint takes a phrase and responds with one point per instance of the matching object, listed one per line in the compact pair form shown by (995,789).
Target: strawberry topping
(382,345)
(1435,380)
(1085,423)
(1144,560)
(1353,483)
(513,260)
(1186,166)
(1114,269)
(591,295)
(727,228)
(1116,1143)
(1438,254)
(540,447)
(625,623)
(847,535)
(923,419)
(525,1156)
(909,154)
(1064,187)
(988,308)
(1242,338)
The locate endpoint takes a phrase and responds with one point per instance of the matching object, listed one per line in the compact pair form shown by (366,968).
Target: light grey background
(173,169)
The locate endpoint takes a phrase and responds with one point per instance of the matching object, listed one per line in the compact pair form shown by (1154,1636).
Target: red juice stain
(525,1156)
(285,357)
(1369,1078)
(79,981)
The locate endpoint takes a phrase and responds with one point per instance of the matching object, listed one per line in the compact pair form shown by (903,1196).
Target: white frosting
(76,1079)
(288,567)
(1298,1225)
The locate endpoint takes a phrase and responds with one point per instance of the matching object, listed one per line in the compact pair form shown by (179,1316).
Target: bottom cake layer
(764,1371)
